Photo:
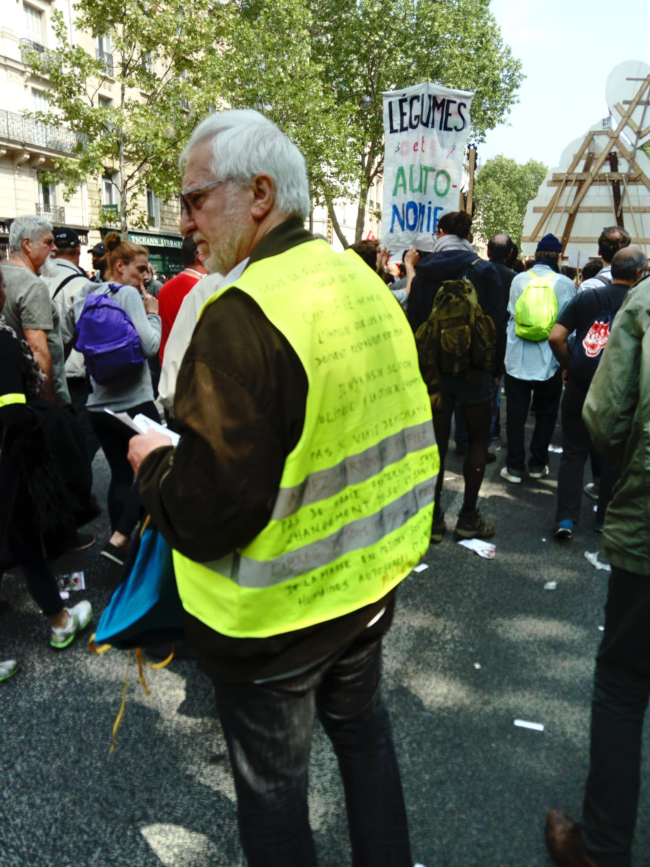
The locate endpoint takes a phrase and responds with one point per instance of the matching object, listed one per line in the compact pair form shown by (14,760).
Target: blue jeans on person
(268,730)
(619,704)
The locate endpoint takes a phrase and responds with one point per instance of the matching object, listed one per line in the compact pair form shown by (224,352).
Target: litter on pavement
(483,549)
(524,724)
(592,557)
(421,567)
(550,585)
(73,581)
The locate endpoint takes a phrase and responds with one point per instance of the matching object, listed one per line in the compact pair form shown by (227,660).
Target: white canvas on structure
(603,178)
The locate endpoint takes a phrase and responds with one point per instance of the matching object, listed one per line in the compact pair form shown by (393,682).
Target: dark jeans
(546,394)
(114,436)
(78,388)
(461,437)
(621,691)
(477,424)
(268,729)
(42,587)
(576,447)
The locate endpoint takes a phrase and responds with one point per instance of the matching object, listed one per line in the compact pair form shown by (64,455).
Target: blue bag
(145,609)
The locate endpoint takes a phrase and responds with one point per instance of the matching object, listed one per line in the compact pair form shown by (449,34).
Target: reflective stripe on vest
(8,399)
(353,512)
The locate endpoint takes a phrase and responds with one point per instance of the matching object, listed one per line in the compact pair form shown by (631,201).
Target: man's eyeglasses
(191,198)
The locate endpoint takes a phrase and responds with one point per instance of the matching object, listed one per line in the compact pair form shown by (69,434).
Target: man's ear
(263,189)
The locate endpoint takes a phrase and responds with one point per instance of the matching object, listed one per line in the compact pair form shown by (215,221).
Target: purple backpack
(107,338)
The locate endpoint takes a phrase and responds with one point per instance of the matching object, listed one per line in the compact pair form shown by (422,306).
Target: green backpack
(457,337)
(536,309)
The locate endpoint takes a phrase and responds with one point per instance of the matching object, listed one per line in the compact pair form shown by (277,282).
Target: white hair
(245,144)
(29,227)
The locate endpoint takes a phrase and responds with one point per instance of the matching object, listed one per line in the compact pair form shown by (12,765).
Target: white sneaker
(510,476)
(7,669)
(78,618)
(539,474)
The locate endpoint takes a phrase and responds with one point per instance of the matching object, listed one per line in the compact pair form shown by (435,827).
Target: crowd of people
(315,409)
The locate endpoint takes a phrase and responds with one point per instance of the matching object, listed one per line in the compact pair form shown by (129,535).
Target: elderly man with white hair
(29,309)
(300,494)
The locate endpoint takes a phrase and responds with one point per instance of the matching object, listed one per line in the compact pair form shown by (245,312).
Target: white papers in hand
(141,424)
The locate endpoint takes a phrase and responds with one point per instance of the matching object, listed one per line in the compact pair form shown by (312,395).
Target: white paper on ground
(550,585)
(592,557)
(601,628)
(556,450)
(421,567)
(524,724)
(483,549)
(141,424)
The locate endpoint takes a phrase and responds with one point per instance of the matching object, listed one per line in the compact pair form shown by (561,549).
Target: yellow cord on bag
(141,663)
(118,719)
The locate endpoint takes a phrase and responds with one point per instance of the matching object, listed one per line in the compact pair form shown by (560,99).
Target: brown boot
(564,841)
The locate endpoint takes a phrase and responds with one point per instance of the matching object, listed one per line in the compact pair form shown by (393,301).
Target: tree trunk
(361,213)
(124,223)
(337,228)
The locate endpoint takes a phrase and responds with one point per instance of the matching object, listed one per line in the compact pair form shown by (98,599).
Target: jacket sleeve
(494,301)
(147,325)
(14,413)
(416,311)
(614,393)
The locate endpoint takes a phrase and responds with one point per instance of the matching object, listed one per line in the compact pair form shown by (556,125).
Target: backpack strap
(65,283)
(471,265)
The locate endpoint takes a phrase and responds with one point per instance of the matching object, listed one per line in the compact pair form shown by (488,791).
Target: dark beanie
(550,243)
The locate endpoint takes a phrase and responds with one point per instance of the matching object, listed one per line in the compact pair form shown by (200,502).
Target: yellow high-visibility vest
(354,510)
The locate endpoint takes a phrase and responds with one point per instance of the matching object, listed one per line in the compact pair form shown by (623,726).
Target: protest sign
(425,131)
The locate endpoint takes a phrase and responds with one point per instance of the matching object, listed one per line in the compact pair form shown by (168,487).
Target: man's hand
(382,259)
(141,445)
(411,258)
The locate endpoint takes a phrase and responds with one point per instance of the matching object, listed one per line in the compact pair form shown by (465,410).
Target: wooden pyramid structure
(607,181)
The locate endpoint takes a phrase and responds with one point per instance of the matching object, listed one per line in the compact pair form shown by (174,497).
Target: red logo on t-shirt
(596,339)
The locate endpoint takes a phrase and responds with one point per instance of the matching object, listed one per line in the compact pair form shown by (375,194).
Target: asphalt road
(477,787)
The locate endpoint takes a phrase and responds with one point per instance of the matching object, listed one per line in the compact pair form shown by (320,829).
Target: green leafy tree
(502,191)
(365,47)
(156,75)
(269,62)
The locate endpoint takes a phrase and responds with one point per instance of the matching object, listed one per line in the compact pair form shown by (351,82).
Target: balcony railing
(17,127)
(54,213)
(106,61)
(28,45)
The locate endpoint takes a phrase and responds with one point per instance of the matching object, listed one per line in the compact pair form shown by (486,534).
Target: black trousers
(546,395)
(114,436)
(576,447)
(620,700)
(79,391)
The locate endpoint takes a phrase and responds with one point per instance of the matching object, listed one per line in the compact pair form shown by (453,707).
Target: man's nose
(187,224)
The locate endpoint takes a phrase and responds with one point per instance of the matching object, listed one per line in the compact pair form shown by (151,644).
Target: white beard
(48,268)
